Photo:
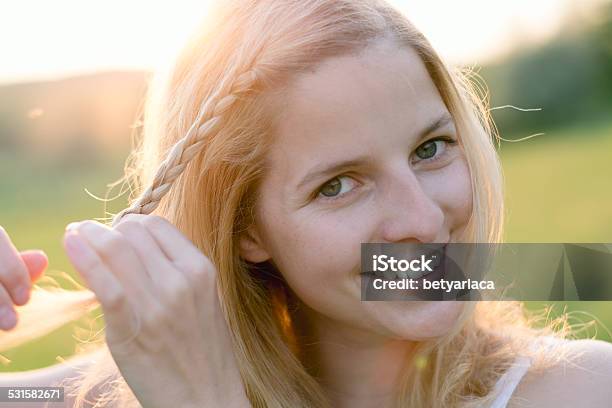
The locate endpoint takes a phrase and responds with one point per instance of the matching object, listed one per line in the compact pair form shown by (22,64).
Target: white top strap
(507,383)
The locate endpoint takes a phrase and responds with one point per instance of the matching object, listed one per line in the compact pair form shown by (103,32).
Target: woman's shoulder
(582,377)
(54,376)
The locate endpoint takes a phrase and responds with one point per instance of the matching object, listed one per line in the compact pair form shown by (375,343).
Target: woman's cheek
(320,252)
(457,187)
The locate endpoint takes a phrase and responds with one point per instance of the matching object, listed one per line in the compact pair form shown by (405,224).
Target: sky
(42,40)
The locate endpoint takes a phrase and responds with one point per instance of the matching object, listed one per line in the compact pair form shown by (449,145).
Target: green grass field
(558,189)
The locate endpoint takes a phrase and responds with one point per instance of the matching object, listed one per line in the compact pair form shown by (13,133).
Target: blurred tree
(569,78)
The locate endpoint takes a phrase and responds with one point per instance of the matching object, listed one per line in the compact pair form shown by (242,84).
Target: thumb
(36,261)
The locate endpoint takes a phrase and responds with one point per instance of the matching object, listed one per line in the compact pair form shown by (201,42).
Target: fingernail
(8,318)
(74,245)
(71,226)
(22,294)
(41,252)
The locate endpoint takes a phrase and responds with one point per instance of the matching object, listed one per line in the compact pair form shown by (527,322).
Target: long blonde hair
(207,128)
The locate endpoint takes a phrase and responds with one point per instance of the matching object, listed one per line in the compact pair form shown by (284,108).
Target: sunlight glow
(46,40)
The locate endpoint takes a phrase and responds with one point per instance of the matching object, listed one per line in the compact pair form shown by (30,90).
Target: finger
(181,251)
(8,316)
(174,289)
(116,252)
(118,313)
(150,254)
(36,262)
(169,238)
(13,272)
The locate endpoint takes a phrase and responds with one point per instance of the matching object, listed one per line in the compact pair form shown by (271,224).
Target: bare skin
(18,270)
(146,273)
(375,106)
(382,112)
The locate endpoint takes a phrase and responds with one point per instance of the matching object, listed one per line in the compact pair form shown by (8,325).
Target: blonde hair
(207,129)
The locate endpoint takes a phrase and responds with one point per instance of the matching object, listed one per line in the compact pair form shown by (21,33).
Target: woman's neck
(357,368)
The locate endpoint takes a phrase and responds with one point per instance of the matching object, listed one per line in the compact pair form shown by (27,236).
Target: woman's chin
(416,320)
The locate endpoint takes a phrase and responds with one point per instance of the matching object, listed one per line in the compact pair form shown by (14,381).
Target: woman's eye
(336,187)
(340,186)
(429,149)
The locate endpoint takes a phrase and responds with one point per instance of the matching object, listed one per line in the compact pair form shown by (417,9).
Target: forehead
(352,105)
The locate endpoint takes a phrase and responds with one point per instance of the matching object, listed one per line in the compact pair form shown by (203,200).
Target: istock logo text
(385,263)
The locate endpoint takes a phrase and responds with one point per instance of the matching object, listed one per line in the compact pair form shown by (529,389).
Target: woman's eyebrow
(325,169)
(440,122)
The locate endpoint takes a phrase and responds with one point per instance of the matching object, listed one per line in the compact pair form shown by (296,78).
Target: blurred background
(74,73)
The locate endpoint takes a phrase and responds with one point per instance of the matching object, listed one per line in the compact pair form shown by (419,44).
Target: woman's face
(355,160)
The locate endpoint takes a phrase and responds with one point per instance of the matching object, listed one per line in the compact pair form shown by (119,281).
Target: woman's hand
(17,272)
(164,325)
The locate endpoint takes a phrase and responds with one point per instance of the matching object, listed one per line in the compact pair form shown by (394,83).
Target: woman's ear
(251,246)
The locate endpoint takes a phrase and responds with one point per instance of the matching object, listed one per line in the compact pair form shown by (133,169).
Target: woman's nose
(408,212)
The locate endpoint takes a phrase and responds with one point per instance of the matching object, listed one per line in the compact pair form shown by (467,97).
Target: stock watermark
(477,271)
(31,394)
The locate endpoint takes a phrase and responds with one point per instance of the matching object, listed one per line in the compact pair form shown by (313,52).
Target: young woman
(288,133)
